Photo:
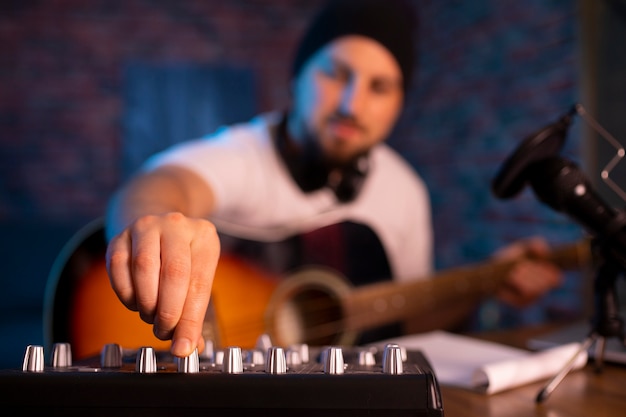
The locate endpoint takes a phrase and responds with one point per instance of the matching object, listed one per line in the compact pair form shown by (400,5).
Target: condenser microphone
(544,143)
(563,186)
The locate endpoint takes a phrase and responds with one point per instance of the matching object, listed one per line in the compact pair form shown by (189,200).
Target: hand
(163,267)
(531,276)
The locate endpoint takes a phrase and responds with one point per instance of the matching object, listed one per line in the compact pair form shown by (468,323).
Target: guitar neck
(378,304)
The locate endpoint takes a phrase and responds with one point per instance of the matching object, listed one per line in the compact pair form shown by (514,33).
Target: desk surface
(582,393)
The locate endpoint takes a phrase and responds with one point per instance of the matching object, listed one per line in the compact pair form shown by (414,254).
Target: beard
(313,166)
(332,151)
(331,158)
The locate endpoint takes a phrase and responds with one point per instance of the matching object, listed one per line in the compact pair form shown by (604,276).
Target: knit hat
(389,22)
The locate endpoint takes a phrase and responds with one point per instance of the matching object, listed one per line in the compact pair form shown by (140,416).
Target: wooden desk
(582,393)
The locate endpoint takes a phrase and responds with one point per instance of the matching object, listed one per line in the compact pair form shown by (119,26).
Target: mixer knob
(218,357)
(392,359)
(323,354)
(146,362)
(333,361)
(403,353)
(111,356)
(233,361)
(263,343)
(275,363)
(207,353)
(255,357)
(33,359)
(293,357)
(303,350)
(61,355)
(189,364)
(366,358)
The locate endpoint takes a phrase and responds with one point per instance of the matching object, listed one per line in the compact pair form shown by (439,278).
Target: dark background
(89,89)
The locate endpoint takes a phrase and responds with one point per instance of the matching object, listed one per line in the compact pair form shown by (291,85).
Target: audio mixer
(300,380)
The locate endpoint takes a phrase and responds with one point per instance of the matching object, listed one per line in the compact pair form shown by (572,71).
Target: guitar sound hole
(310,316)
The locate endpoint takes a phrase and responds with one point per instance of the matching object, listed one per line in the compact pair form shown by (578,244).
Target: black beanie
(389,22)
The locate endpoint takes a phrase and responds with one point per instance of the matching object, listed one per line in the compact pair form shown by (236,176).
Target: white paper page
(486,366)
(499,376)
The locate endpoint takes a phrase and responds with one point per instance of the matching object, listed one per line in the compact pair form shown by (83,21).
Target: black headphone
(309,170)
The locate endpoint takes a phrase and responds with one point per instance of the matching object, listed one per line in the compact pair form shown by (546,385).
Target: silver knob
(403,352)
(218,357)
(189,364)
(366,358)
(275,363)
(333,361)
(61,355)
(33,359)
(146,362)
(392,360)
(263,342)
(233,361)
(111,356)
(293,357)
(255,357)
(207,353)
(303,350)
(324,354)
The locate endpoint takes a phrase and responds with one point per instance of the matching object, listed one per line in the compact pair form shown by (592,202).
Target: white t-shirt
(256,198)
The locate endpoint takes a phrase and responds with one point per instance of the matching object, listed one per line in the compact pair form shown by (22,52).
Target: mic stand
(606,321)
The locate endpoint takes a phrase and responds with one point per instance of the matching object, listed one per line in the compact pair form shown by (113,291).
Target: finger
(511,251)
(145,269)
(538,247)
(528,281)
(516,296)
(535,246)
(540,276)
(188,332)
(512,292)
(173,284)
(511,298)
(118,267)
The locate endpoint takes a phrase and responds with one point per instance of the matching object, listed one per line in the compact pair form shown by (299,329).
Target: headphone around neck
(311,172)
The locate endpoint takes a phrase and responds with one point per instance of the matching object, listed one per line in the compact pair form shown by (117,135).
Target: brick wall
(492,72)
(61,74)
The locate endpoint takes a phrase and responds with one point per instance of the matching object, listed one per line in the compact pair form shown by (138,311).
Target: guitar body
(245,303)
(239,301)
(97,317)
(246,300)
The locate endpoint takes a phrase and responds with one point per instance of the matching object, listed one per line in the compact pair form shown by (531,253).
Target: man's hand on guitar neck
(171,255)
(531,275)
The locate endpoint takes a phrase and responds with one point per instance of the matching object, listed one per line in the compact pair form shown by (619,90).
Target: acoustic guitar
(311,305)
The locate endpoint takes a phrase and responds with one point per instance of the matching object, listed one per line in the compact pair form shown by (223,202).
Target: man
(322,167)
